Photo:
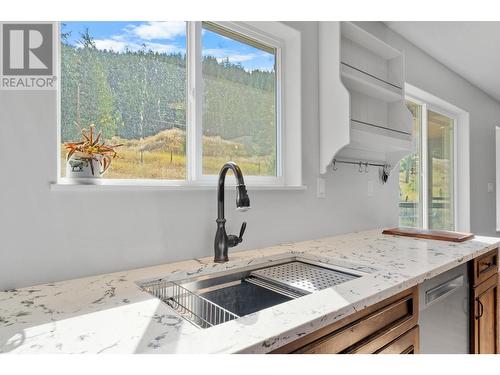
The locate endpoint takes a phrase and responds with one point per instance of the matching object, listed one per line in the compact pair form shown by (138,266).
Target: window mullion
(194,103)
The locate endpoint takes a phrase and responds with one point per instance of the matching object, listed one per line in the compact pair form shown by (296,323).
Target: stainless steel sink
(214,299)
(245,298)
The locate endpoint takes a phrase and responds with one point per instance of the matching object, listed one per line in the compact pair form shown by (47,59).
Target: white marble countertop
(109,313)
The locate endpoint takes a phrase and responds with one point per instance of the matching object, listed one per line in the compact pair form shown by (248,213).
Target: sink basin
(245,298)
(214,299)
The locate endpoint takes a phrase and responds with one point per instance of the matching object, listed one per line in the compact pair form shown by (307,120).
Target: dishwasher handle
(443,290)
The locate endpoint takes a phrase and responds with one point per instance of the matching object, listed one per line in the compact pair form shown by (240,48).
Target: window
(427,177)
(181,98)
(440,171)
(129,79)
(239,102)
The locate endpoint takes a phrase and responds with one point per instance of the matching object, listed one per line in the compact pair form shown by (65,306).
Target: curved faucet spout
(242,200)
(222,240)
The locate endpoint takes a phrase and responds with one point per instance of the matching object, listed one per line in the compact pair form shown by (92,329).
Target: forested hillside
(137,94)
(138,99)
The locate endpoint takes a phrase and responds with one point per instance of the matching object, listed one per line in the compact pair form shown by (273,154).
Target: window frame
(277,45)
(288,141)
(453,116)
(426,105)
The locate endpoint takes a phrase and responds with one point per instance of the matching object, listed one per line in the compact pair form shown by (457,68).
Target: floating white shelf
(373,143)
(363,115)
(357,80)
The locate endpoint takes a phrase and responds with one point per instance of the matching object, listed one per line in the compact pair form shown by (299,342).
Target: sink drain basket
(303,276)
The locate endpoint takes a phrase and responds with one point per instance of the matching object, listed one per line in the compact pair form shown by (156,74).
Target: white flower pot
(80,167)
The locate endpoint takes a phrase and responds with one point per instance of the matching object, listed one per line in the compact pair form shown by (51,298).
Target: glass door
(440,171)
(427,176)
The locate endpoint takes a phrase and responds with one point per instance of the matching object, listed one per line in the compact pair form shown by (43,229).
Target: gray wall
(429,75)
(54,235)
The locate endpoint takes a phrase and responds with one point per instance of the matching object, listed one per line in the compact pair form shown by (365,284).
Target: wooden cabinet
(390,326)
(484,317)
(382,328)
(407,343)
(484,266)
(484,307)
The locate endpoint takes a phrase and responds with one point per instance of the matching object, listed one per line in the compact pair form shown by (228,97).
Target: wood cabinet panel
(485,317)
(365,331)
(389,324)
(408,343)
(484,266)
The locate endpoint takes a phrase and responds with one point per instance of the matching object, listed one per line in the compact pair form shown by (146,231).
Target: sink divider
(273,287)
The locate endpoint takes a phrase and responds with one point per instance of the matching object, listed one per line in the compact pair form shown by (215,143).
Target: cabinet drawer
(379,326)
(484,266)
(408,343)
(387,332)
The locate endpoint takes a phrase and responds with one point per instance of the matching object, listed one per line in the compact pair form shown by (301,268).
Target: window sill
(121,185)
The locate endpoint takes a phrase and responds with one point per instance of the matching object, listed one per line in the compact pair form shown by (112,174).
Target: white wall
(53,235)
(429,75)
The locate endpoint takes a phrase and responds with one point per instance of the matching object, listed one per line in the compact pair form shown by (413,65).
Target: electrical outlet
(370,188)
(491,187)
(321,192)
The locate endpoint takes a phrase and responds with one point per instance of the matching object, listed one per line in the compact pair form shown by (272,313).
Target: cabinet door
(484,317)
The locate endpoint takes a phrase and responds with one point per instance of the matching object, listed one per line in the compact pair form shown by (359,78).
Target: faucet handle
(233,240)
(242,230)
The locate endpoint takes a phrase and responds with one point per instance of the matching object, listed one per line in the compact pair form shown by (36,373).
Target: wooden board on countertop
(440,235)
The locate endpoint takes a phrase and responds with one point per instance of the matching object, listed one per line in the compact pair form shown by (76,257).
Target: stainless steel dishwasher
(444,313)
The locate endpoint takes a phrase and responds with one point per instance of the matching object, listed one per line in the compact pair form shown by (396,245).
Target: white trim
(194,131)
(463,172)
(98,185)
(57,45)
(280,126)
(461,154)
(497,178)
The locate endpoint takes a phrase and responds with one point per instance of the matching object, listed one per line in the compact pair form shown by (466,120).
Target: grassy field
(162,156)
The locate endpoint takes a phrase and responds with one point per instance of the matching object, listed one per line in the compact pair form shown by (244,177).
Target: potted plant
(89,158)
